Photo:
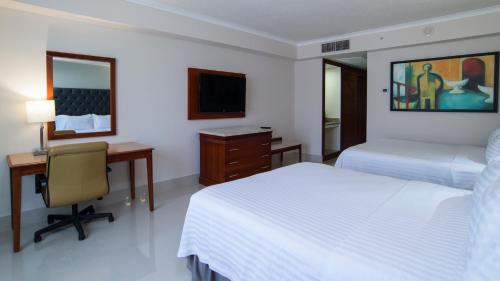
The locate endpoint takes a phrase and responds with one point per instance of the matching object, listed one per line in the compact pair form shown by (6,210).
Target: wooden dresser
(233,153)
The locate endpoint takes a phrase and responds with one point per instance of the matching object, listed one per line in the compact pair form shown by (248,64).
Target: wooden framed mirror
(83,90)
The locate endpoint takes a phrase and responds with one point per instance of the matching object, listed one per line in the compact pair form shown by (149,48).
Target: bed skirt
(201,271)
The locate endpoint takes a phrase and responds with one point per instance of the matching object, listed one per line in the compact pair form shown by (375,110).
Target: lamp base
(39,152)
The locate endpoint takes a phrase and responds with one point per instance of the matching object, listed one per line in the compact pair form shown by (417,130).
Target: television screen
(220,93)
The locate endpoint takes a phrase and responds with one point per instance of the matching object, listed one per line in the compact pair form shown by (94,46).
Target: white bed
(451,165)
(316,222)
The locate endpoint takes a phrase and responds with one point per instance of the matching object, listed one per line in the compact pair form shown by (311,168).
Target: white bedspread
(315,222)
(451,165)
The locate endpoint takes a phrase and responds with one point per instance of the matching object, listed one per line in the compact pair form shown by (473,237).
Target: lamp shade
(40,111)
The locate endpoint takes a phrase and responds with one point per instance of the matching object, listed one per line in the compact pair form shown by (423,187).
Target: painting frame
(393,101)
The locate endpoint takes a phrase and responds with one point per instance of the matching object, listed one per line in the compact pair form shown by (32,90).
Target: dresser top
(234,131)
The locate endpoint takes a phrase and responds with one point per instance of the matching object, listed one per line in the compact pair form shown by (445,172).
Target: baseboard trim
(312,158)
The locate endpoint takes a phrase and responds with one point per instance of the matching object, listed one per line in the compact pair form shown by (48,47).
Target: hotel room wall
(453,128)
(332,106)
(332,92)
(80,75)
(151,92)
(308,96)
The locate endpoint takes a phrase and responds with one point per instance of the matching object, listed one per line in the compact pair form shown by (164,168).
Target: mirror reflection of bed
(81,95)
(82,89)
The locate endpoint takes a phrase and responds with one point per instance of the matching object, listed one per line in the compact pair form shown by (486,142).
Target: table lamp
(40,111)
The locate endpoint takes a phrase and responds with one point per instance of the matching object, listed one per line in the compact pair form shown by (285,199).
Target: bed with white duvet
(316,222)
(451,165)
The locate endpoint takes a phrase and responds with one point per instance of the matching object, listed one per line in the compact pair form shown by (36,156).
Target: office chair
(75,173)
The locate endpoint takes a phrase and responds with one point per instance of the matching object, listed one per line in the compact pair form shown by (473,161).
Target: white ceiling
(304,20)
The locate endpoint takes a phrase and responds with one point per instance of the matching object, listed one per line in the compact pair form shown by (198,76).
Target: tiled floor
(138,245)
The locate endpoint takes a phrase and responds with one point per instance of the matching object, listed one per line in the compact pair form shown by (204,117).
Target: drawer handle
(264,144)
(264,156)
(233,176)
(234,162)
(265,167)
(234,149)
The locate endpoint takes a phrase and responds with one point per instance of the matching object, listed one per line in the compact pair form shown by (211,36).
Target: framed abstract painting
(465,83)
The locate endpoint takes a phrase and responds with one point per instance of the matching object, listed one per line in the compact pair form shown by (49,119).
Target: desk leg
(16,209)
(131,165)
(149,162)
(11,203)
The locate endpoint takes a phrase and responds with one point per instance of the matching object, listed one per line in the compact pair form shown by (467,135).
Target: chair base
(75,218)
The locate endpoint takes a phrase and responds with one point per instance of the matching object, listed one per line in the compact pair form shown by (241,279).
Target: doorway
(343,107)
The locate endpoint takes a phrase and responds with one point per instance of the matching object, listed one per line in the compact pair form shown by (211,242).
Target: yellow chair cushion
(76,173)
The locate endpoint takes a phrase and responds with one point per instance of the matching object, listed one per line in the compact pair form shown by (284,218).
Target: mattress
(451,165)
(316,222)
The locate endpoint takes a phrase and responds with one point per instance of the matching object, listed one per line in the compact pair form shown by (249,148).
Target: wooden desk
(25,164)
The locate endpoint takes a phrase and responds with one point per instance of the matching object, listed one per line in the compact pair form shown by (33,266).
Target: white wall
(456,128)
(151,92)
(80,75)
(469,24)
(308,96)
(126,14)
(332,92)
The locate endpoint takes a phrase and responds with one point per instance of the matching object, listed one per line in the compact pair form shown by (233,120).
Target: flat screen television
(221,93)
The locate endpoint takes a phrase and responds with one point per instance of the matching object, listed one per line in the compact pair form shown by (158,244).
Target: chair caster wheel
(38,238)
(111,219)
(50,220)
(81,237)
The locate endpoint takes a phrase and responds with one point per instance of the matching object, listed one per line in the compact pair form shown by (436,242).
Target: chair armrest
(40,182)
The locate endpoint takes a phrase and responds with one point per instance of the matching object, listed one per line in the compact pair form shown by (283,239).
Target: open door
(353,108)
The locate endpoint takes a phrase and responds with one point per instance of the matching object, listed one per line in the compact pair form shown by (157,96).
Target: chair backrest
(76,173)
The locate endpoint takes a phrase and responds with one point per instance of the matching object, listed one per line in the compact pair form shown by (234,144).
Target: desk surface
(28,159)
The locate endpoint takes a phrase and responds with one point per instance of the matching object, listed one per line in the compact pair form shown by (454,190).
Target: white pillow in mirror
(483,260)
(102,121)
(67,122)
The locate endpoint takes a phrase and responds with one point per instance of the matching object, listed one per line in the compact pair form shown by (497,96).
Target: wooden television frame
(193,95)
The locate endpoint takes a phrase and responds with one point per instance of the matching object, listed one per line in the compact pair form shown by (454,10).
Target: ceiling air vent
(335,46)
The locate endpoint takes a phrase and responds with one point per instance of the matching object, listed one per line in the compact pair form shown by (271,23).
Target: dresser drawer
(246,164)
(231,157)
(255,149)
(244,156)
(247,171)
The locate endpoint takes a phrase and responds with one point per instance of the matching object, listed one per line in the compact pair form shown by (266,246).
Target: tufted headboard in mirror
(83,90)
(75,102)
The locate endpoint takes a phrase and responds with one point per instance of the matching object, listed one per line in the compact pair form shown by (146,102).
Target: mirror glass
(83,97)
